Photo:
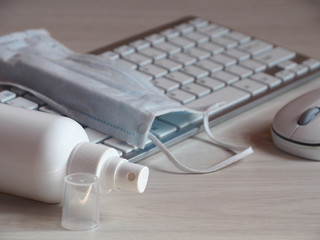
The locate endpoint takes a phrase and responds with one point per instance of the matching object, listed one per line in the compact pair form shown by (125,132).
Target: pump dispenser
(115,173)
(37,150)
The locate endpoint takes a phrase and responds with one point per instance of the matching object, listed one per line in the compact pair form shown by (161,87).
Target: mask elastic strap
(241,152)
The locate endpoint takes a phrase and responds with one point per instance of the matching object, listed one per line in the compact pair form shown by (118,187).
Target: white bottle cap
(115,173)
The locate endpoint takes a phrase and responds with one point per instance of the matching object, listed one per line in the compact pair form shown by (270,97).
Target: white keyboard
(197,63)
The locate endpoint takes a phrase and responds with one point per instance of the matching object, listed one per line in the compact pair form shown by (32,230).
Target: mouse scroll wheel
(308,115)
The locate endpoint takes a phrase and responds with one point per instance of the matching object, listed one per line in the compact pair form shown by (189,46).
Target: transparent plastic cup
(80,210)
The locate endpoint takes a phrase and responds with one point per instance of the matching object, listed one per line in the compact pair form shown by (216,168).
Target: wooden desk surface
(269,195)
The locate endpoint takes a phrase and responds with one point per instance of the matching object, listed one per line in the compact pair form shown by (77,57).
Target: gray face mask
(94,91)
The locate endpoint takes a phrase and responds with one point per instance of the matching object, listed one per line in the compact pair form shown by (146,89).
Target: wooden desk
(269,195)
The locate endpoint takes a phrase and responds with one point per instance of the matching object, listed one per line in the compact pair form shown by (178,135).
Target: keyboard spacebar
(227,96)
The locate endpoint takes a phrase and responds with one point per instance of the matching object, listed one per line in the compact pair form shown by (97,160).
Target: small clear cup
(80,210)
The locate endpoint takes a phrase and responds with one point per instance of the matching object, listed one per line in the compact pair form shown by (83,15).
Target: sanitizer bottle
(37,151)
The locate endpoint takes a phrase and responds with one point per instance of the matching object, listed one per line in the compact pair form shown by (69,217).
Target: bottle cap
(81,202)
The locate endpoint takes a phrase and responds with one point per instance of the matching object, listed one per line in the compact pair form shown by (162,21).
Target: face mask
(94,91)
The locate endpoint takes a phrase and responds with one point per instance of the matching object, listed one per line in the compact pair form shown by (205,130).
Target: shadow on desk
(27,212)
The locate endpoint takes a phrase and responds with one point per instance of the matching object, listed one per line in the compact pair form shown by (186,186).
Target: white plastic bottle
(37,150)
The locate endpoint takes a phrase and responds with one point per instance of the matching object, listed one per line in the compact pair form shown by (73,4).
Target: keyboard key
(110,55)
(253,65)
(161,129)
(253,87)
(195,71)
(140,44)
(181,96)
(209,65)
(153,53)
(183,58)
(180,119)
(237,54)
(287,64)
(181,78)
(185,28)
(153,70)
(197,37)
(226,61)
(95,136)
(211,83)
(267,79)
(256,47)
(240,37)
(228,96)
(239,71)
(139,59)
(299,69)
(275,56)
(169,65)
(170,33)
(166,84)
(198,53)
(285,75)
(182,42)
(226,77)
(6,95)
(155,38)
(212,47)
(312,63)
(226,42)
(23,103)
(124,50)
(196,89)
(118,144)
(144,76)
(213,31)
(168,48)
(199,22)
(126,63)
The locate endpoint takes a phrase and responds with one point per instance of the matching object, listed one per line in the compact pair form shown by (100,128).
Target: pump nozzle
(115,173)
(125,175)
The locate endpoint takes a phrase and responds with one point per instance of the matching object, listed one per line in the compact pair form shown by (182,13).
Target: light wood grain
(269,195)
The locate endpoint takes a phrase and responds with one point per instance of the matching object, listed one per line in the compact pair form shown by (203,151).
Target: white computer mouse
(296,127)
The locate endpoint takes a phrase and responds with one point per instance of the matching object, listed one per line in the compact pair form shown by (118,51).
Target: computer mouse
(296,126)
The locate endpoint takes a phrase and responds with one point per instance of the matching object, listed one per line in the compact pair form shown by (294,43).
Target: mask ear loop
(241,152)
